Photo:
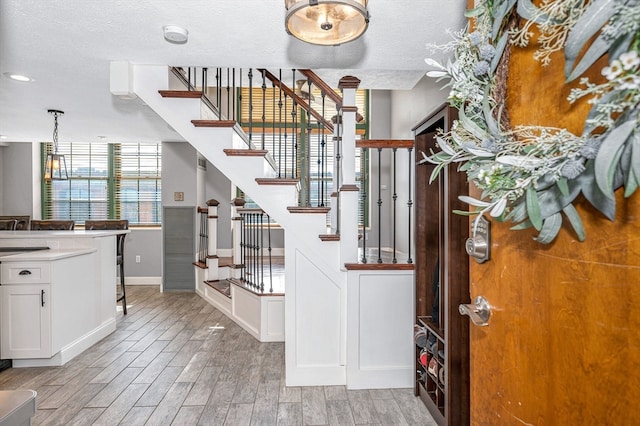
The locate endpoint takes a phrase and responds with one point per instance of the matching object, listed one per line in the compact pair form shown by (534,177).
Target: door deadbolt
(478,245)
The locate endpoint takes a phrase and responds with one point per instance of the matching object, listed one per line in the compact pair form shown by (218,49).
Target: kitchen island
(57,294)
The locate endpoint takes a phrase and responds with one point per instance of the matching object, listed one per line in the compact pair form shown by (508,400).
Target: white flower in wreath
(629,60)
(613,71)
(632,83)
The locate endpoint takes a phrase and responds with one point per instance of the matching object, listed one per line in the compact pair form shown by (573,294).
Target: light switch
(178,196)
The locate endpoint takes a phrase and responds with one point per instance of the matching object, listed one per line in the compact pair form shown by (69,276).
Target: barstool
(114,224)
(8,224)
(52,225)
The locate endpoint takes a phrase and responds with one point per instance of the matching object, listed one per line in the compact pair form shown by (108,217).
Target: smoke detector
(175,34)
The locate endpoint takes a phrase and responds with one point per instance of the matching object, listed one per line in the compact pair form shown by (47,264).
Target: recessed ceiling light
(175,34)
(102,138)
(3,137)
(18,77)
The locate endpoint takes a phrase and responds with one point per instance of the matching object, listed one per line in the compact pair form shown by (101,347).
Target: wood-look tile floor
(176,360)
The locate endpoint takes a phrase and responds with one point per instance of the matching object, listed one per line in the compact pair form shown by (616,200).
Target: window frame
(114,178)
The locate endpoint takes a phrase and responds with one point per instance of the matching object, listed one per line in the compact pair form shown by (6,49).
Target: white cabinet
(26,321)
(25,310)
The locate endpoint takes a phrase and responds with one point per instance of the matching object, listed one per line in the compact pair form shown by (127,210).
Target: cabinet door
(26,321)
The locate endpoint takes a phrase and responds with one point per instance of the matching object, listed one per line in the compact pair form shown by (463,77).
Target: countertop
(60,234)
(44,255)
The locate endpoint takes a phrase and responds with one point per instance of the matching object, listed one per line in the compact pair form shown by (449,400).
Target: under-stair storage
(441,334)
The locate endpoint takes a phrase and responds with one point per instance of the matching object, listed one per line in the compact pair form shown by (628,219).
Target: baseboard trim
(143,280)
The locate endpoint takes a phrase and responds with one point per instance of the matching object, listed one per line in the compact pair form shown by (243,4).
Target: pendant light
(55,167)
(326,22)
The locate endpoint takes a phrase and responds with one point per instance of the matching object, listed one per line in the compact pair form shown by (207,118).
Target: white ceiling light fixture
(175,34)
(326,22)
(18,77)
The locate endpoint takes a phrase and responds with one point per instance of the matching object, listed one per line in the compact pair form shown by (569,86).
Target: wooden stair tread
(189,94)
(241,284)
(297,209)
(329,237)
(379,266)
(277,181)
(384,143)
(245,152)
(213,123)
(222,286)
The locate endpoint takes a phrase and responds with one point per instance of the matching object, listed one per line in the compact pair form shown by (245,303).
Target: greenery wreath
(531,175)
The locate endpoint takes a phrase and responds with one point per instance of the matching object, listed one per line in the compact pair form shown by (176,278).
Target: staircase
(320,312)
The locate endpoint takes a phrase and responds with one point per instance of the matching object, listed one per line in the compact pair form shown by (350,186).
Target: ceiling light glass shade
(326,22)
(55,168)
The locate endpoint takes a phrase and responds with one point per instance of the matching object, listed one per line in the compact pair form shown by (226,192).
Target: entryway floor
(174,359)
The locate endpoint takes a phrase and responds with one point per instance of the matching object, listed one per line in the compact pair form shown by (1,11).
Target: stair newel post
(212,243)
(237,240)
(348,191)
(308,149)
(335,197)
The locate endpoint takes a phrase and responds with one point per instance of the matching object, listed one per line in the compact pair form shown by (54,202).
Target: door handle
(479,311)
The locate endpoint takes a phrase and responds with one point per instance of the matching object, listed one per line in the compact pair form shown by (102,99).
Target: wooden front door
(563,342)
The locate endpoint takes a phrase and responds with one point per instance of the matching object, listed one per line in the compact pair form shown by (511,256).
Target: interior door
(562,345)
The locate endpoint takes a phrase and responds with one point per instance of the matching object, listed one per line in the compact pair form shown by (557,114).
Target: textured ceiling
(67,45)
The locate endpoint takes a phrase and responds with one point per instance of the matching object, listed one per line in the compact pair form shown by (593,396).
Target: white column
(212,242)
(348,189)
(236,234)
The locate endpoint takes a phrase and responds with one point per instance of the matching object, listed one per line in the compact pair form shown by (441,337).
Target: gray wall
(19,179)
(409,108)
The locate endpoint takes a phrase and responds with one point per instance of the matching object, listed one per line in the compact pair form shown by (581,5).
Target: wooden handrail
(287,90)
(320,84)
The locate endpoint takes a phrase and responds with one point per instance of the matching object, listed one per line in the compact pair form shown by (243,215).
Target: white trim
(72,350)
(142,280)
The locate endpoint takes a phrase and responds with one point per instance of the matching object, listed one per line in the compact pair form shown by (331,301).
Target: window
(106,181)
(313,163)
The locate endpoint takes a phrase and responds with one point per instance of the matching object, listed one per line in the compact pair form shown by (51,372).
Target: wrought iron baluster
(270,258)
(264,102)
(363,190)
(410,203)
(250,108)
(379,205)
(395,198)
(321,157)
(260,253)
(243,231)
(294,118)
(280,125)
(338,149)
(228,98)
